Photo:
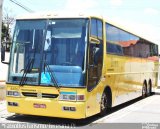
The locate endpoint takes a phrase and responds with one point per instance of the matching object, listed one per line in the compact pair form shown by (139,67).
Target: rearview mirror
(3,55)
(94,40)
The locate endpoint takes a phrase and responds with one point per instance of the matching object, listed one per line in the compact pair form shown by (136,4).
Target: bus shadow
(68,122)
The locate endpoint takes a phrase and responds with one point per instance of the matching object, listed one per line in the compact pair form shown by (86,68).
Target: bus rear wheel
(149,89)
(144,90)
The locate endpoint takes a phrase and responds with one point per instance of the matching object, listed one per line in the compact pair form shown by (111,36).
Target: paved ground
(143,111)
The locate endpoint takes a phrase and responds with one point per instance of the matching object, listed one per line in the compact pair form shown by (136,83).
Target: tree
(4,32)
(8,20)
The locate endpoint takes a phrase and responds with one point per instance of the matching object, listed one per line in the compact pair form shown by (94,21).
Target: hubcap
(144,91)
(104,102)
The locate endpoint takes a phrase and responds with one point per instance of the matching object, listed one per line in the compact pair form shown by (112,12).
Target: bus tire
(105,103)
(144,90)
(149,88)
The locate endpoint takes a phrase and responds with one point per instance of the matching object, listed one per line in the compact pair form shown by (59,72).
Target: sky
(141,17)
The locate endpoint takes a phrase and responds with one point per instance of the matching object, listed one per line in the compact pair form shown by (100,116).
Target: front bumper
(53,107)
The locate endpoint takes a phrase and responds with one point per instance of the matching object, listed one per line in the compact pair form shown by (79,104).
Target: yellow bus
(76,66)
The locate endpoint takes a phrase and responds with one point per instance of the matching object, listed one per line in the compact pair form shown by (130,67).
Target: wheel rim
(104,102)
(144,90)
(150,88)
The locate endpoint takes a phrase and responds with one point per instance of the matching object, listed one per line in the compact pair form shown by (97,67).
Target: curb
(2,84)
(2,80)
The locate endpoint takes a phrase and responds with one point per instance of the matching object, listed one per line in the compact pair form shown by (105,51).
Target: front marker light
(13,93)
(72,97)
(13,104)
(64,97)
(72,108)
(16,93)
(9,93)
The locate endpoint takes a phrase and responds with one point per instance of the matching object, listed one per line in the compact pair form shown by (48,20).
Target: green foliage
(4,33)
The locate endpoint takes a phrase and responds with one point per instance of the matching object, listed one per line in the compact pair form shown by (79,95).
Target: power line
(22,6)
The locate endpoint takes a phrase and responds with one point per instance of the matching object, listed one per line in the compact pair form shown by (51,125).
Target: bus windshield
(42,49)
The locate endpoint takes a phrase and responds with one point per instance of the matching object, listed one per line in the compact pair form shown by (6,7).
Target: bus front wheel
(104,104)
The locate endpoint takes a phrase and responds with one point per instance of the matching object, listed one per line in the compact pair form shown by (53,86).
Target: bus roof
(51,15)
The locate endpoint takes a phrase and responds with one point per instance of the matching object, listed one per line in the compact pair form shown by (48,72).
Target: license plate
(36,105)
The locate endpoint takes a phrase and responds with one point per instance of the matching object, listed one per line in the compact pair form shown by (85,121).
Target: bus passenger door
(95,63)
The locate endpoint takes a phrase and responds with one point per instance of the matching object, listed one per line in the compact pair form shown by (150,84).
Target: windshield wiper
(26,70)
(51,74)
(23,42)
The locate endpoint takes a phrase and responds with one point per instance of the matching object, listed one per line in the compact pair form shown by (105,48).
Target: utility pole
(1,3)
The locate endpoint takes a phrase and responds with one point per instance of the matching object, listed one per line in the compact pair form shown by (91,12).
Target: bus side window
(154,50)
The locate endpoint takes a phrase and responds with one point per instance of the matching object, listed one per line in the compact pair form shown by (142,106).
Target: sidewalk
(2,105)
(2,83)
(2,91)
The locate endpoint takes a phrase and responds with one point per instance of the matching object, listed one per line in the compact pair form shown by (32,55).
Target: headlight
(71,97)
(13,93)
(67,97)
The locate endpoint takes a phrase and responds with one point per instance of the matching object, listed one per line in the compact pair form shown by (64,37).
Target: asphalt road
(136,111)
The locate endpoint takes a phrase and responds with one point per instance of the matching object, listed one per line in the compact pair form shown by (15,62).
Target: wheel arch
(150,82)
(145,82)
(108,92)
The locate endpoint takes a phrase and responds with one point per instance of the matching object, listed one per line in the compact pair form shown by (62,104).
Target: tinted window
(94,28)
(121,42)
(145,49)
(153,50)
(112,33)
(99,23)
(114,49)
(113,40)
(134,46)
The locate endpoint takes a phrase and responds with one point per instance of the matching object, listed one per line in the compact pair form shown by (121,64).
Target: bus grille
(44,95)
(49,95)
(28,94)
